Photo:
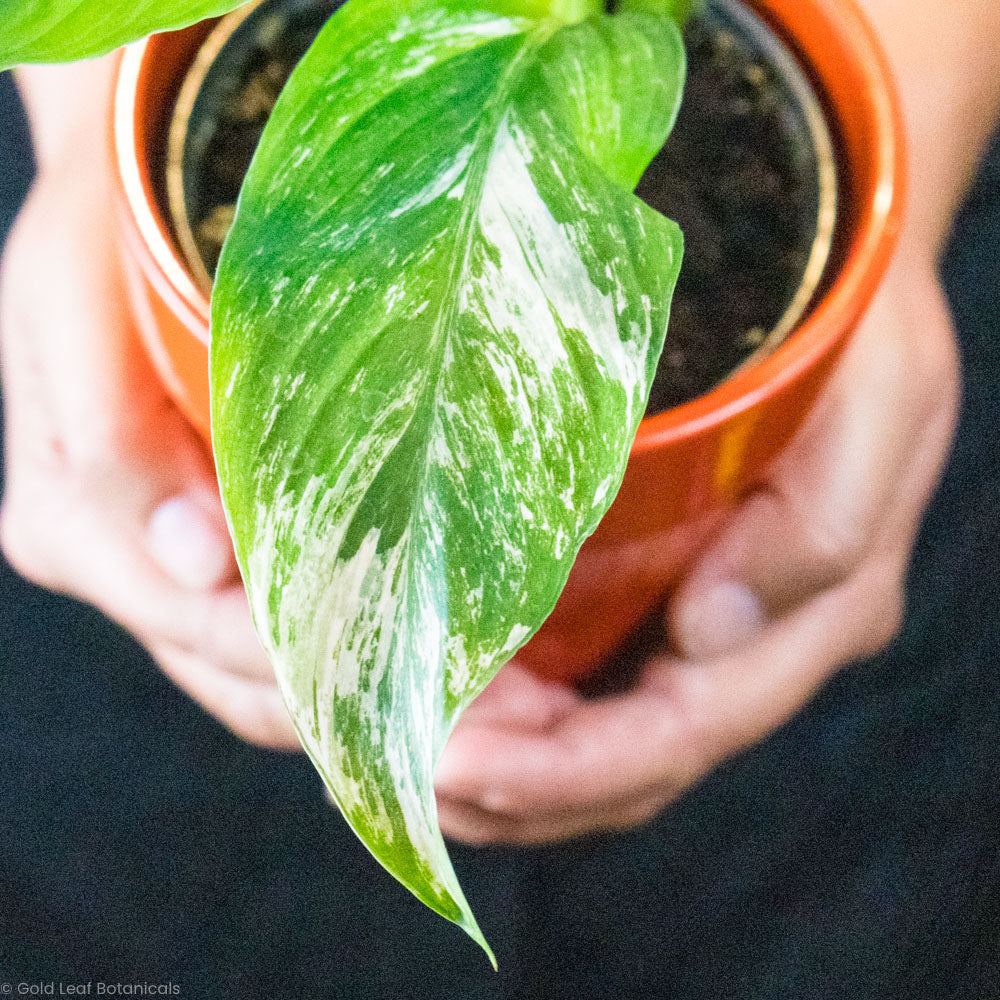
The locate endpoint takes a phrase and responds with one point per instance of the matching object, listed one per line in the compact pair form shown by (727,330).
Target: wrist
(67,108)
(943,57)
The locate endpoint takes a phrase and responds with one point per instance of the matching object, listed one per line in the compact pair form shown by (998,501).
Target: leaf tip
(469,924)
(471,928)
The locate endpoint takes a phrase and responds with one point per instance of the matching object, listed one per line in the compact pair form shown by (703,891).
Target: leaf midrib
(534,38)
(495,113)
(442,329)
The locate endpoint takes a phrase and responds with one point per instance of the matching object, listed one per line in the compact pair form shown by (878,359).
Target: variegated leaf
(435,326)
(52,31)
(679,10)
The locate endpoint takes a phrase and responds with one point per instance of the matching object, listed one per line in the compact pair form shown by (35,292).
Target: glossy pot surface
(689,465)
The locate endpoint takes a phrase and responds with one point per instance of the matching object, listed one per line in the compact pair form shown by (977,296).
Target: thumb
(186,536)
(849,488)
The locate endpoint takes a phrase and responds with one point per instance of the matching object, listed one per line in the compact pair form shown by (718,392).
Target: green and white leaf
(680,10)
(435,326)
(53,31)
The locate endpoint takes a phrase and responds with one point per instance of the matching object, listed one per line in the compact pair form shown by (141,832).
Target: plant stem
(679,10)
(567,11)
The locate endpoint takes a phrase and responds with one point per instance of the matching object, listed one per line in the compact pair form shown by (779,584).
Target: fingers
(612,763)
(855,479)
(474,825)
(806,576)
(95,534)
(517,698)
(110,496)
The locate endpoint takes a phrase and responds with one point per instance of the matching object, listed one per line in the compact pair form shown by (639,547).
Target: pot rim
(783,59)
(873,235)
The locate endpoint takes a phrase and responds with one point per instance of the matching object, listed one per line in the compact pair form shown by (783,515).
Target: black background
(855,854)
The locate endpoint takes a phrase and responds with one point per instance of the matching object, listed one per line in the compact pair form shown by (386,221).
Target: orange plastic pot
(689,465)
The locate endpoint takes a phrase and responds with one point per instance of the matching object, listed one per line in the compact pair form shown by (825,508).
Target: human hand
(805,576)
(110,496)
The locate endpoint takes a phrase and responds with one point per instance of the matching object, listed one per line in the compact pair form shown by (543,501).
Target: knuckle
(475,834)
(698,752)
(490,797)
(886,605)
(833,550)
(690,738)
(198,633)
(22,545)
(261,724)
(644,813)
(502,801)
(467,825)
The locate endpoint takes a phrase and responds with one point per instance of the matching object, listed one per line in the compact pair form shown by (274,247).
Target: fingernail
(188,545)
(718,620)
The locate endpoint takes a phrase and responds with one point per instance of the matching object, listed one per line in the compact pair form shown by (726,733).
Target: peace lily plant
(435,325)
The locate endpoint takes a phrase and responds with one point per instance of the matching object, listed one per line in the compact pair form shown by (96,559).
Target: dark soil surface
(738,174)
(232,109)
